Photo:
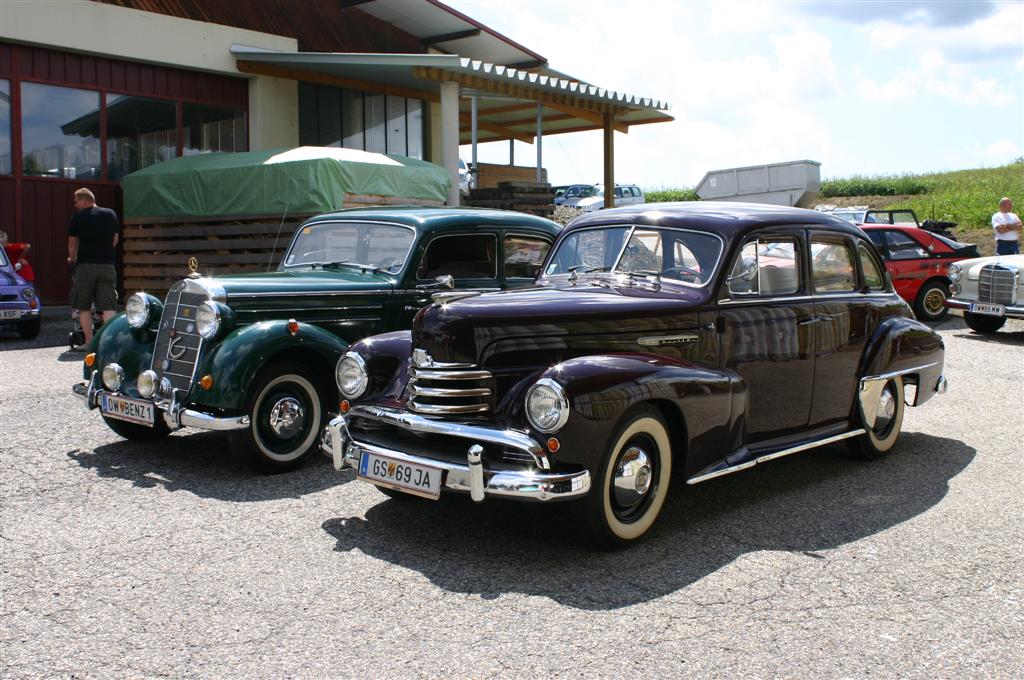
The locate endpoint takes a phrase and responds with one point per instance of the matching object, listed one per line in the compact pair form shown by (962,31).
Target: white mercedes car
(989,290)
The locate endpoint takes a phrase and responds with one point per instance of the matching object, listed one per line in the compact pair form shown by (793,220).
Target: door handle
(808,322)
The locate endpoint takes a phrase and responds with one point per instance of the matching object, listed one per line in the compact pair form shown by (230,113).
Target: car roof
(725,218)
(425,218)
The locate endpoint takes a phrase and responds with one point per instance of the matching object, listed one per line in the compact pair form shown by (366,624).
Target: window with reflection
(209,128)
(873,278)
(140,132)
(766,267)
(832,266)
(902,247)
(6,163)
(60,131)
(465,256)
(330,116)
(524,255)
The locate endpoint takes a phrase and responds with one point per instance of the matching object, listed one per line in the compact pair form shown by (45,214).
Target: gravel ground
(173,559)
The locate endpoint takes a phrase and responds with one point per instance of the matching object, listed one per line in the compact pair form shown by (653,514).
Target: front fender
(902,346)
(387,358)
(707,405)
(235,361)
(131,348)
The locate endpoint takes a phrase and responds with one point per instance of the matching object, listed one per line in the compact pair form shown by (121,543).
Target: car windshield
(3,258)
(381,246)
(689,257)
(853,216)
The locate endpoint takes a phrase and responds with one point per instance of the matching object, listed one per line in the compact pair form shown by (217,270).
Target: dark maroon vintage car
(695,338)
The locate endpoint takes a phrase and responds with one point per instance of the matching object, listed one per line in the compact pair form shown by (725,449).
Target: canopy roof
(307,179)
(507,98)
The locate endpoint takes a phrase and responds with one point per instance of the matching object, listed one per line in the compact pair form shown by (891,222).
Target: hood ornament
(193,267)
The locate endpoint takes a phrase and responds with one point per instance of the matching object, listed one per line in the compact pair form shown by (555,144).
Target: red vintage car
(918,264)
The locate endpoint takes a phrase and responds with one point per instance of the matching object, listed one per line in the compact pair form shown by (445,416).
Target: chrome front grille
(996,283)
(448,389)
(178,345)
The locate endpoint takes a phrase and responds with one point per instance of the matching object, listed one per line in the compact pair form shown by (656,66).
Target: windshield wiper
(574,271)
(355,265)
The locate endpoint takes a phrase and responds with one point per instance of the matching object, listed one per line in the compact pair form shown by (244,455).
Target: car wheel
(631,483)
(879,439)
(138,433)
(29,329)
(982,323)
(286,415)
(931,301)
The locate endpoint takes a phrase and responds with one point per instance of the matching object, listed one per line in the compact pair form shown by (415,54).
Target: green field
(967,197)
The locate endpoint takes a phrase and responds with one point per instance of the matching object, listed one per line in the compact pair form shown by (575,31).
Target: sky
(864,88)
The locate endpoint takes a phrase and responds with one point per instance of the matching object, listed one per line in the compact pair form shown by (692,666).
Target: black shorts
(94,283)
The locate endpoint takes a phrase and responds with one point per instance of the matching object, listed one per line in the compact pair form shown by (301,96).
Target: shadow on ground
(1010,334)
(203,464)
(806,504)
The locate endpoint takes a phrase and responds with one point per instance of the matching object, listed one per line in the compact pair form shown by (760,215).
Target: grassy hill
(967,197)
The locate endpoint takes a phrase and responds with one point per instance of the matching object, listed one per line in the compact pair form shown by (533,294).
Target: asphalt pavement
(120,559)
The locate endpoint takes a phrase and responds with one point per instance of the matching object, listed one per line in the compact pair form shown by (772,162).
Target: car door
(766,319)
(842,310)
(909,263)
(469,257)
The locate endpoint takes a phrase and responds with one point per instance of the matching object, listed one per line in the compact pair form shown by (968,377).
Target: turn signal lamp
(206,382)
(344,406)
(554,445)
(90,359)
(293,326)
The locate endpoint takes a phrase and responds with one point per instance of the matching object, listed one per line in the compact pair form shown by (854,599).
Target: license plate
(10,313)
(419,480)
(132,410)
(990,309)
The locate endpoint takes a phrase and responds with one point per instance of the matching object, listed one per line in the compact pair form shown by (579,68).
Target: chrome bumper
(1010,311)
(174,416)
(472,477)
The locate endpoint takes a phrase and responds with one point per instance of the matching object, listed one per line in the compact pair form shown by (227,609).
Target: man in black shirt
(92,238)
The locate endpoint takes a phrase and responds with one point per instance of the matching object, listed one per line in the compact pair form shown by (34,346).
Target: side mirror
(748,270)
(445,281)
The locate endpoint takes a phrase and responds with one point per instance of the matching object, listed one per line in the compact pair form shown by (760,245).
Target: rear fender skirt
(902,347)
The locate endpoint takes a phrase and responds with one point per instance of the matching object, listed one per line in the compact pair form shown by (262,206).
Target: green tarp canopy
(308,179)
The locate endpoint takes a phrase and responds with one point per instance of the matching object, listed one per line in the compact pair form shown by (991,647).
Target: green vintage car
(254,354)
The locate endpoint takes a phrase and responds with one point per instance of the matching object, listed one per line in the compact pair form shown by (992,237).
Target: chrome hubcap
(286,417)
(886,410)
(633,478)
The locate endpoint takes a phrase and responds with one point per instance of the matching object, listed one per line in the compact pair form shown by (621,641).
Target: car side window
(878,238)
(873,278)
(902,247)
(766,267)
(464,256)
(524,255)
(832,266)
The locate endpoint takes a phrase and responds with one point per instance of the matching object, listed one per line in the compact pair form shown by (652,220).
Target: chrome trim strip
(309,293)
(902,371)
(422,359)
(450,375)
(513,439)
(203,421)
(870,390)
(754,299)
(659,340)
(523,485)
(416,390)
(448,409)
(772,456)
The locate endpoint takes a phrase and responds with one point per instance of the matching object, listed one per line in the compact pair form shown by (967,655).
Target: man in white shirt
(1007,229)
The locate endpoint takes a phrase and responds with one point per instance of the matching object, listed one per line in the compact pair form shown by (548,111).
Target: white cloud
(892,90)
(1002,151)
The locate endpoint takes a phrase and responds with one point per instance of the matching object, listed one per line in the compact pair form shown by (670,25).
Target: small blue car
(19,304)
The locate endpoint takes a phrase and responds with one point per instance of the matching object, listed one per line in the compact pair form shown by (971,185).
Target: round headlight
(146,383)
(136,309)
(351,376)
(547,407)
(113,376)
(28,294)
(955,272)
(208,319)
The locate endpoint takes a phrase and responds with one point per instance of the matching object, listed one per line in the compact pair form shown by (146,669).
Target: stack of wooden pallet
(519,195)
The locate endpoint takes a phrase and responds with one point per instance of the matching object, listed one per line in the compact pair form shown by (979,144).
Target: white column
(473,116)
(450,136)
(540,126)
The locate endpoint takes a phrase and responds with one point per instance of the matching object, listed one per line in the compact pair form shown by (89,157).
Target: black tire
(138,433)
(30,329)
(881,437)
(983,323)
(615,518)
(287,414)
(930,303)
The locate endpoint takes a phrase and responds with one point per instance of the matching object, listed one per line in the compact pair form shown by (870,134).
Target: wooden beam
(352,3)
(532,120)
(336,81)
(497,129)
(589,116)
(446,37)
(508,109)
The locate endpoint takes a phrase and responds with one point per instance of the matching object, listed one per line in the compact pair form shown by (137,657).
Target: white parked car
(989,290)
(625,194)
